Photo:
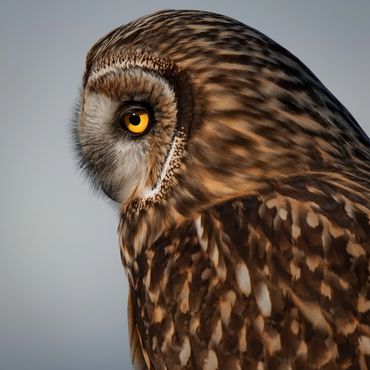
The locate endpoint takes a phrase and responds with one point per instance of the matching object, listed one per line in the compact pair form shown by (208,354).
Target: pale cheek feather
(98,110)
(129,170)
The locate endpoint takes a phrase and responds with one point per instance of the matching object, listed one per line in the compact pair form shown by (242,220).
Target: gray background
(62,288)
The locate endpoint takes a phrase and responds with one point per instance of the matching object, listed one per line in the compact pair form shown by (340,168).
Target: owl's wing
(287,283)
(276,281)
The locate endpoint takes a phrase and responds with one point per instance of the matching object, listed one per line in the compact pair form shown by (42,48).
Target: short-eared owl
(244,190)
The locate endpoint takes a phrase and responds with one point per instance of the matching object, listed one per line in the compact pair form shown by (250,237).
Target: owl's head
(194,107)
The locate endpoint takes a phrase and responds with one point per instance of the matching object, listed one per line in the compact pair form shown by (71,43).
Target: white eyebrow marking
(116,66)
(134,70)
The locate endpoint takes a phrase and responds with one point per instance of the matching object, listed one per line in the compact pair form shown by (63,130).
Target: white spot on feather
(263,299)
(243,278)
(312,219)
(217,333)
(283,213)
(271,203)
(215,255)
(296,231)
(185,352)
(211,362)
(203,240)
(226,304)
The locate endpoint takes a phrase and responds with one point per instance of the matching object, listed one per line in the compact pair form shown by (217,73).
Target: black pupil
(134,119)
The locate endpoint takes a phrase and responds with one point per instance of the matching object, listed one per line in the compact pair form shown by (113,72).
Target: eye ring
(137,120)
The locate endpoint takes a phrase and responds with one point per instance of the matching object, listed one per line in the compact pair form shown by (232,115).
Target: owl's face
(128,128)
(193,107)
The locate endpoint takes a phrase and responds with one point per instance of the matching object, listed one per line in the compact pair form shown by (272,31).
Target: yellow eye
(137,121)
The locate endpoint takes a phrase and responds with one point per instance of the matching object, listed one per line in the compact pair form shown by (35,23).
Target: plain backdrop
(62,288)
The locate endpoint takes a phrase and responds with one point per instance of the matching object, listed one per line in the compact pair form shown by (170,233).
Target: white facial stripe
(149,193)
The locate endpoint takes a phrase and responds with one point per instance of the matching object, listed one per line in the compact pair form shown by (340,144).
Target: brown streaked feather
(280,279)
(137,356)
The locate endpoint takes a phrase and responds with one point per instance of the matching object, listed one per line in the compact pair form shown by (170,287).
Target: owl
(244,193)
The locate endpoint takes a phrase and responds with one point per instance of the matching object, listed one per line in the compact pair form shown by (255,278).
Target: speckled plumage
(245,211)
